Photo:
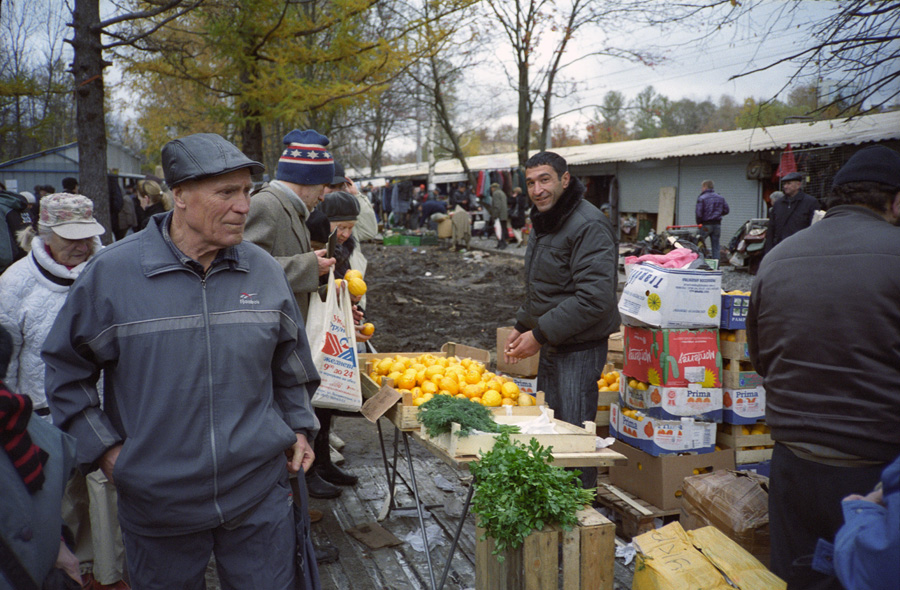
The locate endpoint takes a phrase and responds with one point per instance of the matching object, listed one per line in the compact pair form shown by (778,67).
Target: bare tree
(856,46)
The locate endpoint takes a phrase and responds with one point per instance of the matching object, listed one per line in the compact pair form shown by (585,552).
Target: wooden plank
(614,490)
(572,558)
(598,551)
(541,559)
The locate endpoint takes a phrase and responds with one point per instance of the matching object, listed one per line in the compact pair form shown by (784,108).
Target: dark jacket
(824,330)
(429,208)
(570,275)
(711,207)
(788,216)
(207,378)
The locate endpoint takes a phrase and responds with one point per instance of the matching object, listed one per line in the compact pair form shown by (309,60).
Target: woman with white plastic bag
(332,332)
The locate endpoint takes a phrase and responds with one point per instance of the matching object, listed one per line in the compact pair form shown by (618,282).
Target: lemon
(384,366)
(509,390)
(475,399)
(352,274)
(492,398)
(368,329)
(526,400)
(508,402)
(405,381)
(450,385)
(429,387)
(419,401)
(357,287)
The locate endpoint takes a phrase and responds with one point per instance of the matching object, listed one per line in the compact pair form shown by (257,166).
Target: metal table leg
(462,521)
(415,489)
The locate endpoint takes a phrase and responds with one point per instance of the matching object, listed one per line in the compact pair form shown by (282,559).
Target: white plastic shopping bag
(332,340)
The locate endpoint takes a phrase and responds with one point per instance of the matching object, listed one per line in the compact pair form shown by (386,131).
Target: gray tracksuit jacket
(207,378)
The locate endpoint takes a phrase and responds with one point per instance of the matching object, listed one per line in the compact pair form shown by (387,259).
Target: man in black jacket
(570,303)
(791,213)
(824,330)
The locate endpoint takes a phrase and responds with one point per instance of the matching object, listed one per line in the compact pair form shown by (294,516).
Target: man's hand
(876,497)
(520,346)
(67,562)
(324,263)
(108,461)
(300,455)
(360,337)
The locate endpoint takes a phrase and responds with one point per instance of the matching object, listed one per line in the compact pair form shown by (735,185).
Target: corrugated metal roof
(833,132)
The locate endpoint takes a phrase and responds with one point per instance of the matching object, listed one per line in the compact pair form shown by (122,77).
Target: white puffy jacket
(29,302)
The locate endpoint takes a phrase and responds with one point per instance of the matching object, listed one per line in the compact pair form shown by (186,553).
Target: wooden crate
(631,515)
(569,438)
(588,558)
(605,398)
(615,355)
(737,350)
(730,436)
(403,413)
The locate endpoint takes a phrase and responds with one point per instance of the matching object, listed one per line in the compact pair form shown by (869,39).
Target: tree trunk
(87,68)
(522,143)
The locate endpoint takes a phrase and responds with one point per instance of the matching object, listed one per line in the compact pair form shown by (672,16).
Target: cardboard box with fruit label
(660,437)
(744,406)
(673,403)
(671,298)
(673,358)
(735,306)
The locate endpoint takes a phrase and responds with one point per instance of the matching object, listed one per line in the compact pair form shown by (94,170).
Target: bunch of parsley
(518,491)
(440,412)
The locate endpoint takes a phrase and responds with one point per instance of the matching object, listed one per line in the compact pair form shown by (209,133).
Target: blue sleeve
(867,547)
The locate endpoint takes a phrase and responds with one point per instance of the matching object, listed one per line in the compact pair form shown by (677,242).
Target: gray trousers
(569,383)
(253,551)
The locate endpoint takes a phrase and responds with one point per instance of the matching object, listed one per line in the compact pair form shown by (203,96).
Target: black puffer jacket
(570,275)
(824,330)
(788,216)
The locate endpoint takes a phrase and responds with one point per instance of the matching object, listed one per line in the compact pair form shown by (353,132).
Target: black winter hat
(872,164)
(792,176)
(340,206)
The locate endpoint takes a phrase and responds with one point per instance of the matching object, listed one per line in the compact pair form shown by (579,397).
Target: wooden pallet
(632,515)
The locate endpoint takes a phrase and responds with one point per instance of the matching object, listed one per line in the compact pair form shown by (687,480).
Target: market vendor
(570,304)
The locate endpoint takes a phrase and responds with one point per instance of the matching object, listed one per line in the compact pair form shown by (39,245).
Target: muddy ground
(420,298)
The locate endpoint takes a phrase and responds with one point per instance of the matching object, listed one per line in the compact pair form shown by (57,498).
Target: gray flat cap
(203,155)
(792,176)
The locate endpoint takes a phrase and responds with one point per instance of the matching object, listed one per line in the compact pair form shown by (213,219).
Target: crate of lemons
(608,393)
(427,375)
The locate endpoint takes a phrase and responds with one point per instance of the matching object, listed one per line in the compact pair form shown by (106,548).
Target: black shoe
(501,245)
(333,474)
(317,487)
(326,552)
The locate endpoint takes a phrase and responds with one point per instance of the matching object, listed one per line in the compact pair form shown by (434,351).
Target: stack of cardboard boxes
(744,399)
(671,392)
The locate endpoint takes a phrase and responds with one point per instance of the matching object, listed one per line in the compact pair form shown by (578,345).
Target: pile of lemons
(607,382)
(427,375)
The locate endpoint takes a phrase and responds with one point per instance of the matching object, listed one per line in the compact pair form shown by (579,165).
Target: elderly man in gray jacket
(208,379)
(570,293)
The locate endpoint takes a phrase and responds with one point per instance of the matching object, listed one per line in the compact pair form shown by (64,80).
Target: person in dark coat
(823,329)
(791,213)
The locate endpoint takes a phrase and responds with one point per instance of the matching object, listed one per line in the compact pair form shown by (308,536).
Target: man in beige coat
(278,212)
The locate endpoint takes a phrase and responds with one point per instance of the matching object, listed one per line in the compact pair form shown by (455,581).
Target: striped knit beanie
(305,159)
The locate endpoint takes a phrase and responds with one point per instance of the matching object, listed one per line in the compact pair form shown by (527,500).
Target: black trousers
(804,506)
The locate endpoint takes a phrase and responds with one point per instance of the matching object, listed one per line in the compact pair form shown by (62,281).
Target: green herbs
(440,412)
(517,491)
